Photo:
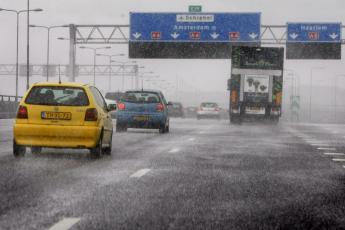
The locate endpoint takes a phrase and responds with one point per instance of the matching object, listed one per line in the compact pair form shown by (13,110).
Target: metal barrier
(8,106)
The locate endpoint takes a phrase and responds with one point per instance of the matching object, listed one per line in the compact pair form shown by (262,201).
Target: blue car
(142,109)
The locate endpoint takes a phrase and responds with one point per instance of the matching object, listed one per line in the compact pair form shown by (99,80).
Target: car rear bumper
(129,120)
(56,136)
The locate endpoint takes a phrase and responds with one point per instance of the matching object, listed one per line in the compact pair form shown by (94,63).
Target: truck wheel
(18,150)
(236,121)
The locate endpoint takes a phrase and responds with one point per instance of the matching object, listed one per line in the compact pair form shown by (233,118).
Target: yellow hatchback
(63,115)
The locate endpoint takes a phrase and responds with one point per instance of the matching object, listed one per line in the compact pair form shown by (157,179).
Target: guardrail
(8,98)
(8,106)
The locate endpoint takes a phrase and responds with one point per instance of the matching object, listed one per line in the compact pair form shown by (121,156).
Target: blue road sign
(314,32)
(195,27)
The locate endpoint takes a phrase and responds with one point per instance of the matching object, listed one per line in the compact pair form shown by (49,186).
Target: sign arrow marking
(253,35)
(293,36)
(333,36)
(214,35)
(175,35)
(136,35)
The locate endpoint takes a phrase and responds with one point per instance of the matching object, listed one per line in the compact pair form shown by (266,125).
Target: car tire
(97,150)
(18,150)
(36,150)
(167,128)
(107,150)
(162,128)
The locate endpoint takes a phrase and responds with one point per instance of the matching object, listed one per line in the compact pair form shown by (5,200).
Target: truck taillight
(233,97)
(160,107)
(278,98)
(121,106)
(22,112)
(91,114)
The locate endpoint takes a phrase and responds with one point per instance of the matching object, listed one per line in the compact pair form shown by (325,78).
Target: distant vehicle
(67,115)
(256,83)
(208,110)
(176,109)
(115,96)
(112,98)
(142,109)
(113,105)
(190,111)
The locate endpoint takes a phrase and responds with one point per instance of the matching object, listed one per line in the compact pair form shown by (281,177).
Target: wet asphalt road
(203,175)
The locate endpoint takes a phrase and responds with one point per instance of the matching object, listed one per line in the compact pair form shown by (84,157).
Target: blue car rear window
(141,97)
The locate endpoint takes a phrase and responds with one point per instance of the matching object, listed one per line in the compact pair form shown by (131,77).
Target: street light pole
(48,28)
(123,71)
(17,42)
(110,70)
(28,47)
(94,59)
(311,90)
(335,95)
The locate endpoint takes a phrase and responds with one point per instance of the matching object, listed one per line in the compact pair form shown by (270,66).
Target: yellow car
(63,115)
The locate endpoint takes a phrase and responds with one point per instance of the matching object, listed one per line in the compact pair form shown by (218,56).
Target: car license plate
(56,116)
(141,118)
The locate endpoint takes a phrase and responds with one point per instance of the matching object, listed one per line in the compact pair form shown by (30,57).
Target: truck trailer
(256,83)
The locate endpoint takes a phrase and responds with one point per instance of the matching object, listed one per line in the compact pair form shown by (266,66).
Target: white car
(208,110)
(112,104)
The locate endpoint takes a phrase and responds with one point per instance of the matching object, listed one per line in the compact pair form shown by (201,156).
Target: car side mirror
(169,103)
(111,107)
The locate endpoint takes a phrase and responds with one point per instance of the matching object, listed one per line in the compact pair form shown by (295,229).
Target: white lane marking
(191,139)
(344,166)
(334,154)
(140,173)
(65,224)
(201,132)
(320,145)
(338,159)
(327,149)
(174,150)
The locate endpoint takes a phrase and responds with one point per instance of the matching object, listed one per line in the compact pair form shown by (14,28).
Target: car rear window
(57,95)
(141,97)
(208,105)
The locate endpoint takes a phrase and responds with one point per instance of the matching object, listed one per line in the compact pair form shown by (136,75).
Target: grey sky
(205,75)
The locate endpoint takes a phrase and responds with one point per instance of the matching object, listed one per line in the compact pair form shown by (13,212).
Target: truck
(256,83)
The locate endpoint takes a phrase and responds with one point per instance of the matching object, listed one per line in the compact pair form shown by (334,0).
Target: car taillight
(160,107)
(121,106)
(91,114)
(200,108)
(22,112)
(216,109)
